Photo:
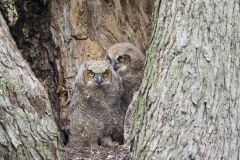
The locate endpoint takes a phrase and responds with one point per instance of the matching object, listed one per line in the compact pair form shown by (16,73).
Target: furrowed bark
(189,100)
(27,127)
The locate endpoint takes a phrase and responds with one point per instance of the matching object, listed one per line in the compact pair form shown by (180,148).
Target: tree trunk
(188,106)
(56,36)
(27,128)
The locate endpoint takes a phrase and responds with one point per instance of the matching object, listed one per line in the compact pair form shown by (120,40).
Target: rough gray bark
(27,128)
(189,100)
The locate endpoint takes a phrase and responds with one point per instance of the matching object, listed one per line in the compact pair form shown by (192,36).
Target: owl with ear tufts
(94,109)
(128,62)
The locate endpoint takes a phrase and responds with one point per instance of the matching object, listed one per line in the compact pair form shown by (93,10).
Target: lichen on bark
(26,129)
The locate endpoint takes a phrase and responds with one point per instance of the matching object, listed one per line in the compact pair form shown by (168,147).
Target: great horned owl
(128,62)
(94,109)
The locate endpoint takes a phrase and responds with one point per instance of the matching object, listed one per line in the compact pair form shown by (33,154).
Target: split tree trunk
(27,127)
(189,100)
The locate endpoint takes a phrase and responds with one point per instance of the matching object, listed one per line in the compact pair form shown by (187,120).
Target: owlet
(128,62)
(94,109)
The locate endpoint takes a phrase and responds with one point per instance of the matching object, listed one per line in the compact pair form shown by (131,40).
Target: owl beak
(98,81)
(115,65)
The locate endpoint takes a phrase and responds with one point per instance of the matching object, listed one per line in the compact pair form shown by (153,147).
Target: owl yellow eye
(105,74)
(91,74)
(121,59)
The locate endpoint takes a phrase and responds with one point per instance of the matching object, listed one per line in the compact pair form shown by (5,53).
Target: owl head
(96,73)
(125,56)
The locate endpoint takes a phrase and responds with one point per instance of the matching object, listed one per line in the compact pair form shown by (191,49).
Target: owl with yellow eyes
(94,109)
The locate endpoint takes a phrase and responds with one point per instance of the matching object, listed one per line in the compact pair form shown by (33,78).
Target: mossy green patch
(138,117)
